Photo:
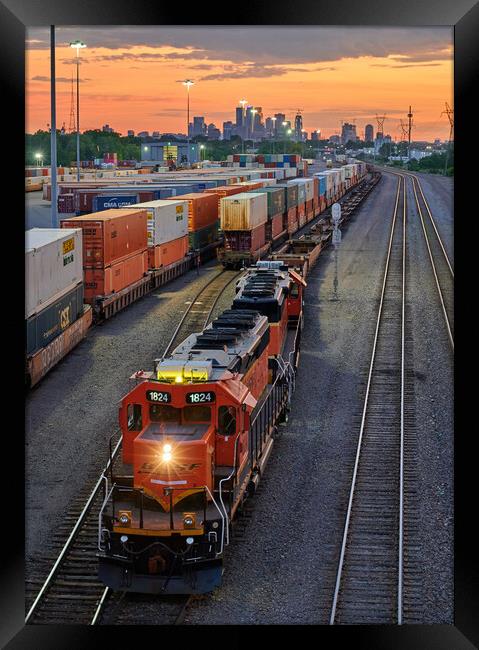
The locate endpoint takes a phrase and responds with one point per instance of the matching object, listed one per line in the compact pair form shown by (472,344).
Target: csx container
(111,235)
(202,208)
(244,211)
(45,325)
(53,265)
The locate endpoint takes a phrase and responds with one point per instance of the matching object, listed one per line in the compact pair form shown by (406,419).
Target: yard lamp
(78,45)
(188,83)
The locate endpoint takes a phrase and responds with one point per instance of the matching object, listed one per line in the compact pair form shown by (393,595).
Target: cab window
(134,417)
(164,413)
(294,291)
(197,414)
(226,420)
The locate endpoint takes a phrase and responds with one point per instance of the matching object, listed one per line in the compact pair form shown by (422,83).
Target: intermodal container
(111,235)
(114,278)
(244,211)
(45,325)
(276,199)
(291,194)
(53,265)
(102,202)
(198,239)
(66,204)
(167,220)
(301,190)
(168,252)
(245,240)
(274,226)
(202,209)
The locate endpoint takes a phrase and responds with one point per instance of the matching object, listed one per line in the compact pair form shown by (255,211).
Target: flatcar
(197,433)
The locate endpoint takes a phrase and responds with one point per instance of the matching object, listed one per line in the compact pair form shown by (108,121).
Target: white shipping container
(167,220)
(267,182)
(53,265)
(309,185)
(243,211)
(289,172)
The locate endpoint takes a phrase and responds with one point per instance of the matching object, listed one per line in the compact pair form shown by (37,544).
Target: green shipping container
(200,238)
(291,194)
(276,199)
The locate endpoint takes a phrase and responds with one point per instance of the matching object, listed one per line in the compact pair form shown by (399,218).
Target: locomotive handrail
(227,478)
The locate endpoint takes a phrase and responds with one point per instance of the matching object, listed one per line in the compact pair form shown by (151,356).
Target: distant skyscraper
(335,139)
(107,129)
(199,126)
(348,133)
(316,135)
(227,130)
(239,117)
(213,133)
(298,127)
(131,133)
(268,124)
(369,133)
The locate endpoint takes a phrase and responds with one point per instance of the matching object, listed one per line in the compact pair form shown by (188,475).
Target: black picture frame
(14,16)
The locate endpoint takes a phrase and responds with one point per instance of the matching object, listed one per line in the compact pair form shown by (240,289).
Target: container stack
(266,161)
(276,208)
(53,284)
(203,223)
(167,231)
(290,217)
(243,221)
(115,250)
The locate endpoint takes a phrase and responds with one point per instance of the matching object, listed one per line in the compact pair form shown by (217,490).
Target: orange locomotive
(197,433)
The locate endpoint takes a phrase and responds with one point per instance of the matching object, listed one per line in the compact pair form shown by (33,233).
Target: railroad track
(72,592)
(370,574)
(441,265)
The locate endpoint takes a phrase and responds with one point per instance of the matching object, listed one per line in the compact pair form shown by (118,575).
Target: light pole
(39,156)
(188,83)
(78,45)
(243,102)
(202,146)
(273,119)
(303,131)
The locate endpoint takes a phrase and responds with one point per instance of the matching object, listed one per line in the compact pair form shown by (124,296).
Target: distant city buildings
(227,130)
(335,139)
(130,133)
(369,133)
(213,133)
(316,135)
(143,134)
(348,133)
(107,129)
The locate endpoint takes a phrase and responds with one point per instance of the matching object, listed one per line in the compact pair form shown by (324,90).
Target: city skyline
(346,74)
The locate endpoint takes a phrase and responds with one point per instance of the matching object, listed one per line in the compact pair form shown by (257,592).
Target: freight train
(198,430)
(252,227)
(197,433)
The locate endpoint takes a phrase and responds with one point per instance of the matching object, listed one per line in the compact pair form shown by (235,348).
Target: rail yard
(329,359)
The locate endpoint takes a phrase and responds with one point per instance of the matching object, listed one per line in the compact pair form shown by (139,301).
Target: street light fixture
(39,156)
(188,83)
(202,146)
(78,45)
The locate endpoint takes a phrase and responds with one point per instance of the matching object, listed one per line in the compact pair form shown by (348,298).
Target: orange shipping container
(202,208)
(168,253)
(111,235)
(102,282)
(224,190)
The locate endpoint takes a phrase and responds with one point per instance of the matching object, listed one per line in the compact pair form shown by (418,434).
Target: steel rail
(73,534)
(365,407)
(207,319)
(431,218)
(187,311)
(434,270)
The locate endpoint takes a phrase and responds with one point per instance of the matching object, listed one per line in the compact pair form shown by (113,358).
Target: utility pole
(53,129)
(409,117)
(380,119)
(450,115)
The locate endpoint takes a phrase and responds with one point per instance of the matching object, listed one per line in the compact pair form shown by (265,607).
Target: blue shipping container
(106,202)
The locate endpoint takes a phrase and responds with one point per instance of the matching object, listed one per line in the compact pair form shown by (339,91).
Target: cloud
(58,79)
(256,70)
(405,65)
(259,44)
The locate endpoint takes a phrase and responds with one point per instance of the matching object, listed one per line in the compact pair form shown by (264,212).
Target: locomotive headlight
(189,541)
(166,453)
(189,520)
(124,517)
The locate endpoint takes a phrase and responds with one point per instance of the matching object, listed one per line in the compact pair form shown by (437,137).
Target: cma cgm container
(111,235)
(167,231)
(202,209)
(244,211)
(53,265)
(48,323)
(102,202)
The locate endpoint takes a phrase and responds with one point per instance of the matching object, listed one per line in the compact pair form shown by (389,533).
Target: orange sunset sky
(129,76)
